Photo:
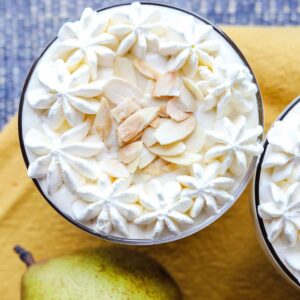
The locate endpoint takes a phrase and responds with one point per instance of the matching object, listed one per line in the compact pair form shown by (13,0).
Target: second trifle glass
(275,194)
(141,123)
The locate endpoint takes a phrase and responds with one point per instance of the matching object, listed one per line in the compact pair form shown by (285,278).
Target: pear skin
(98,274)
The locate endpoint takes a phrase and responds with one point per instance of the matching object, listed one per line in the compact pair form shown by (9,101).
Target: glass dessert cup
(272,254)
(237,192)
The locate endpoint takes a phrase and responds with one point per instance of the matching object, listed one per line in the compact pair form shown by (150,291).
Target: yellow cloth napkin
(224,261)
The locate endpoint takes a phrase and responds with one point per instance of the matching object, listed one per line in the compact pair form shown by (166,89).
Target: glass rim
(143,242)
(267,245)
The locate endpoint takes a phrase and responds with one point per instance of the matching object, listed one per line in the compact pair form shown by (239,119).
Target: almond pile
(158,128)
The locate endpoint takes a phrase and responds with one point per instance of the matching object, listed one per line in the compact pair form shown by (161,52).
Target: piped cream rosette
(145,124)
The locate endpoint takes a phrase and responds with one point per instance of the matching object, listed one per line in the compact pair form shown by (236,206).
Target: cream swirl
(112,204)
(195,48)
(86,41)
(66,96)
(232,142)
(209,190)
(63,159)
(282,212)
(164,208)
(228,88)
(135,29)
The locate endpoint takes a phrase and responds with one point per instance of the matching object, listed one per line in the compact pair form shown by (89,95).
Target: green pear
(97,274)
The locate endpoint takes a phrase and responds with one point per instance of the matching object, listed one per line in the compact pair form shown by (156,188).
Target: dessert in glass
(141,123)
(276,190)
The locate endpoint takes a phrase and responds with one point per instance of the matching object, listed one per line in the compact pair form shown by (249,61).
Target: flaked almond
(171,131)
(155,123)
(168,85)
(132,166)
(168,150)
(148,137)
(163,111)
(170,168)
(192,87)
(117,89)
(136,138)
(175,113)
(184,159)
(103,120)
(116,169)
(146,157)
(145,69)
(155,168)
(124,109)
(195,141)
(130,152)
(123,67)
(111,141)
(186,101)
(148,99)
(135,124)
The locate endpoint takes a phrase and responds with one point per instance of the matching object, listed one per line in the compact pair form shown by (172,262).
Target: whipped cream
(232,142)
(135,29)
(147,129)
(195,48)
(86,41)
(63,159)
(207,187)
(111,203)
(165,207)
(227,89)
(279,190)
(65,96)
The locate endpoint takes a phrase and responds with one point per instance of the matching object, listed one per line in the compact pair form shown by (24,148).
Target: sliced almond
(146,158)
(135,138)
(170,168)
(135,124)
(163,111)
(192,87)
(117,89)
(132,166)
(130,152)
(168,84)
(155,168)
(174,112)
(124,109)
(195,141)
(146,70)
(184,159)
(171,131)
(123,67)
(148,137)
(186,101)
(168,150)
(103,120)
(111,141)
(154,123)
(116,169)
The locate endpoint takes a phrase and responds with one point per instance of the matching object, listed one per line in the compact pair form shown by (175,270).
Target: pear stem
(24,255)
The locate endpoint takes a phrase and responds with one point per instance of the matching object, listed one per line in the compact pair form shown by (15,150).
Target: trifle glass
(276,190)
(141,123)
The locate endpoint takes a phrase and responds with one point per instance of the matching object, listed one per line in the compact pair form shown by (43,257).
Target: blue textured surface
(26,26)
